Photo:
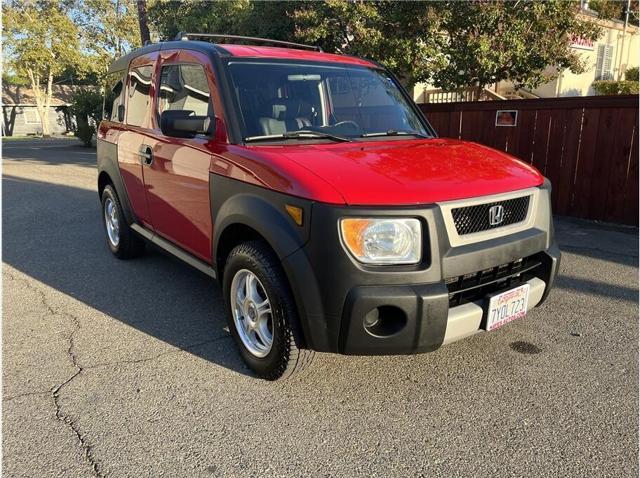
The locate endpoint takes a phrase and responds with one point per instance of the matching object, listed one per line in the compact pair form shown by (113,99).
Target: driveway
(124,368)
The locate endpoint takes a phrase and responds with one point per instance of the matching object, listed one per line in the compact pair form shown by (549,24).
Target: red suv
(312,187)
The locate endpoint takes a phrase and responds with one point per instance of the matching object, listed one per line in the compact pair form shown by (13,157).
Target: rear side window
(113,95)
(184,88)
(138,90)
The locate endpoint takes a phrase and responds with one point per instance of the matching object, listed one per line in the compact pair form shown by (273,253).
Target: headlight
(383,240)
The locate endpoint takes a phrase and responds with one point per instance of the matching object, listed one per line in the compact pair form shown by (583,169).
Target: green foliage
(39,39)
(240,17)
(10,78)
(39,42)
(452,44)
(608,9)
(631,74)
(401,35)
(608,87)
(615,9)
(86,107)
(490,41)
(84,132)
(108,29)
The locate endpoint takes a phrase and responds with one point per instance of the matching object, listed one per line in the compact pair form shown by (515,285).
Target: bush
(631,74)
(87,108)
(608,87)
(84,132)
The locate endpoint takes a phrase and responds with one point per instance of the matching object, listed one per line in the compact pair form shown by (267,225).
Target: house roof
(23,96)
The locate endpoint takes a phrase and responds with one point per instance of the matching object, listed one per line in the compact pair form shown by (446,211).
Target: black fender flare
(263,210)
(107,158)
(235,202)
(253,211)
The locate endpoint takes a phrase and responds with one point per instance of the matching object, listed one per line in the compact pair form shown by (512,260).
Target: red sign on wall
(581,43)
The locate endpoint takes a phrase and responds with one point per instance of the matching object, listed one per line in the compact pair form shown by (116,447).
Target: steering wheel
(353,125)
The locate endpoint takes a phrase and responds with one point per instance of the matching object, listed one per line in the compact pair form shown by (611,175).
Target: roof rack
(183,36)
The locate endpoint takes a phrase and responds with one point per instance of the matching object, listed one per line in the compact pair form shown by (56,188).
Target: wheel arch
(103,180)
(109,173)
(243,212)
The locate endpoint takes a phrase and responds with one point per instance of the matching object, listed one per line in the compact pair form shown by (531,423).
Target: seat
(283,115)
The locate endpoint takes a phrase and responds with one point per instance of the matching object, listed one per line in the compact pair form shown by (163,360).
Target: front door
(131,143)
(177,180)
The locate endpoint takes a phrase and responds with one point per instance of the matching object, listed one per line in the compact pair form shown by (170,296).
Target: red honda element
(315,191)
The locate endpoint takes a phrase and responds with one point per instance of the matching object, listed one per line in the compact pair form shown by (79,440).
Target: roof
(23,96)
(291,54)
(234,50)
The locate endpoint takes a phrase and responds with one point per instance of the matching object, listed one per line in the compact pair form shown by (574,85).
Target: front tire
(120,237)
(261,313)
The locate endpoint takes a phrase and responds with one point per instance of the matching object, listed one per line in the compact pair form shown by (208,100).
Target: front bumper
(351,308)
(427,317)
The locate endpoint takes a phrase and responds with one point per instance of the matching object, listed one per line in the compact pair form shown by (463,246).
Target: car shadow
(53,233)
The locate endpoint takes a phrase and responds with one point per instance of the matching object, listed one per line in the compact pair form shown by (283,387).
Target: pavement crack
(25,394)
(66,419)
(87,447)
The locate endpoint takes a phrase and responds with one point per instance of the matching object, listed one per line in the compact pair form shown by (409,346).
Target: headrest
(287,109)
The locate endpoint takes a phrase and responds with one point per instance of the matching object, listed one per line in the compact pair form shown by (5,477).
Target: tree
(451,44)
(615,9)
(143,21)
(236,17)
(484,42)
(397,33)
(401,35)
(108,28)
(40,41)
(87,109)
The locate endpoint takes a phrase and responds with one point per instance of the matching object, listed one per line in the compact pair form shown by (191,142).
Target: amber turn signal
(295,212)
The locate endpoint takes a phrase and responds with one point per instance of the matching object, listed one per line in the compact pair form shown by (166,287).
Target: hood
(410,172)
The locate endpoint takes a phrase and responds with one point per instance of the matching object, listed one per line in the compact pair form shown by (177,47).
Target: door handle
(146,155)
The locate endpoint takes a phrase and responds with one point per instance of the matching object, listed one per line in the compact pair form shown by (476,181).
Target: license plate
(507,307)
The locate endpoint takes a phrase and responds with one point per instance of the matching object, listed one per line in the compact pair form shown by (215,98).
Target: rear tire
(121,239)
(263,321)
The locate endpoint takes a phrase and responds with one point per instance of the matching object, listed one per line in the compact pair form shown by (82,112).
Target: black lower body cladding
(351,308)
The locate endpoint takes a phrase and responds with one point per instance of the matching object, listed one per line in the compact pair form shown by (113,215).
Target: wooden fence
(586,146)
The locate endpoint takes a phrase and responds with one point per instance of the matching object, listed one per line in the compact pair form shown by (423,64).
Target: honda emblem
(496,215)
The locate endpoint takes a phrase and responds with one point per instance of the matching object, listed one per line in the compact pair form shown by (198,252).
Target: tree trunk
(43,100)
(143,21)
(49,94)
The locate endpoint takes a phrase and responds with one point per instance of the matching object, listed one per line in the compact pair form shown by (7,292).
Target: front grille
(476,285)
(470,219)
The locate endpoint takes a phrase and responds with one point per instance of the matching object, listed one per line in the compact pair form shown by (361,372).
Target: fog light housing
(384,321)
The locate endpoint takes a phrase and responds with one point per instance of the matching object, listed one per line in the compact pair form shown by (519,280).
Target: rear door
(132,143)
(177,179)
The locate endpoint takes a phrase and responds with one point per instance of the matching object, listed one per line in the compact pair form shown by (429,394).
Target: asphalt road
(114,368)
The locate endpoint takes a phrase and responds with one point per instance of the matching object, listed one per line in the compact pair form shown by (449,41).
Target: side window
(138,91)
(113,96)
(185,88)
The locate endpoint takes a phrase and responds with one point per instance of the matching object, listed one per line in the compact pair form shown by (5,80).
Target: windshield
(319,102)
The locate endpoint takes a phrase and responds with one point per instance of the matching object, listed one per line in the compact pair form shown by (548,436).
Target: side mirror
(184,124)
(120,113)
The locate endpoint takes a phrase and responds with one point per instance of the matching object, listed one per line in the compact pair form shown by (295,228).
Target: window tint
(138,91)
(185,88)
(113,95)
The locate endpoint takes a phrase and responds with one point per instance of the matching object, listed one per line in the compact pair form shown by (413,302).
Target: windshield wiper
(393,132)
(300,134)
